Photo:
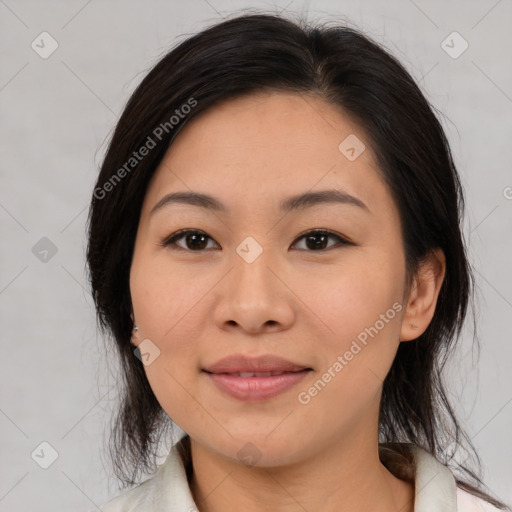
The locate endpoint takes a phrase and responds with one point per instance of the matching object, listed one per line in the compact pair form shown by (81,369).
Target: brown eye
(317,240)
(194,240)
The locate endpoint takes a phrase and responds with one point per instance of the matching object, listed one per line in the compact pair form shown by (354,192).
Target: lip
(224,374)
(255,389)
(264,363)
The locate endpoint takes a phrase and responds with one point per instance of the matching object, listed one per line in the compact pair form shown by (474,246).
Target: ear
(423,294)
(135,337)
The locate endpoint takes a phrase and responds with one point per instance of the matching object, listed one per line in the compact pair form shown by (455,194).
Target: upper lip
(264,363)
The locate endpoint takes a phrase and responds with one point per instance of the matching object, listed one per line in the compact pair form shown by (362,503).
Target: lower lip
(252,389)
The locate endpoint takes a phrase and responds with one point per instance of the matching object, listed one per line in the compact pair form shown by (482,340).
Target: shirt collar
(435,485)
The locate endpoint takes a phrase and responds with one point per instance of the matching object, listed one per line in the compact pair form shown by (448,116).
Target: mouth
(257,374)
(262,364)
(256,386)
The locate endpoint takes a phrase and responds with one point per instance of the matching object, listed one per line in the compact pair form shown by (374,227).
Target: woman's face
(251,283)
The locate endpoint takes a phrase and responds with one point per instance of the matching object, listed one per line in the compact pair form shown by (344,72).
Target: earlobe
(422,300)
(134,340)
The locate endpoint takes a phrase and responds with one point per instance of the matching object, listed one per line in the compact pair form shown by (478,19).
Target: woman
(274,246)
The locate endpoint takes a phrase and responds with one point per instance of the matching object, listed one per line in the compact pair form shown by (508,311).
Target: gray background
(57,383)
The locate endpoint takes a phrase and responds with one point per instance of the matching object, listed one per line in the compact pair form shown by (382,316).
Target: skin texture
(300,302)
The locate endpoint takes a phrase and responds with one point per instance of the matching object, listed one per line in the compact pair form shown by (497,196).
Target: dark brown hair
(251,53)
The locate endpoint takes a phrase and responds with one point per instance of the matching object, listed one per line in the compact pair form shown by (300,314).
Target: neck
(344,478)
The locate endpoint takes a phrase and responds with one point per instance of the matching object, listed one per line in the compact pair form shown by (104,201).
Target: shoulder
(467,502)
(167,489)
(435,484)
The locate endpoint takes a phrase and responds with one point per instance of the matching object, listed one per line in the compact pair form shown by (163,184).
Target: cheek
(358,309)
(166,306)
(165,299)
(361,313)
(353,297)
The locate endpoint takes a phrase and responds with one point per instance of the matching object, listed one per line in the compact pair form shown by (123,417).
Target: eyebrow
(298,202)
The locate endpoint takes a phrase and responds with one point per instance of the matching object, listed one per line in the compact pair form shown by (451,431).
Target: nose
(254,297)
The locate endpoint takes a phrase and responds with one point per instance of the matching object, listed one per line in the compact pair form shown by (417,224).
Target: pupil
(193,239)
(320,245)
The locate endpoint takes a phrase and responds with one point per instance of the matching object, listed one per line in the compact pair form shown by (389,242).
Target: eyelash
(170,241)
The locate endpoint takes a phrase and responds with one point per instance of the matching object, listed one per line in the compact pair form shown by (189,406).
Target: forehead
(261,145)
(291,121)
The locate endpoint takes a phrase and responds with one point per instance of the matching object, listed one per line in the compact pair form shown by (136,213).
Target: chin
(259,449)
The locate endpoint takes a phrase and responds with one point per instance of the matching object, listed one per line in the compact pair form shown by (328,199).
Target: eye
(317,239)
(196,240)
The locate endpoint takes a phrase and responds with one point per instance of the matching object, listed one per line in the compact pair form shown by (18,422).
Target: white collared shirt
(168,489)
